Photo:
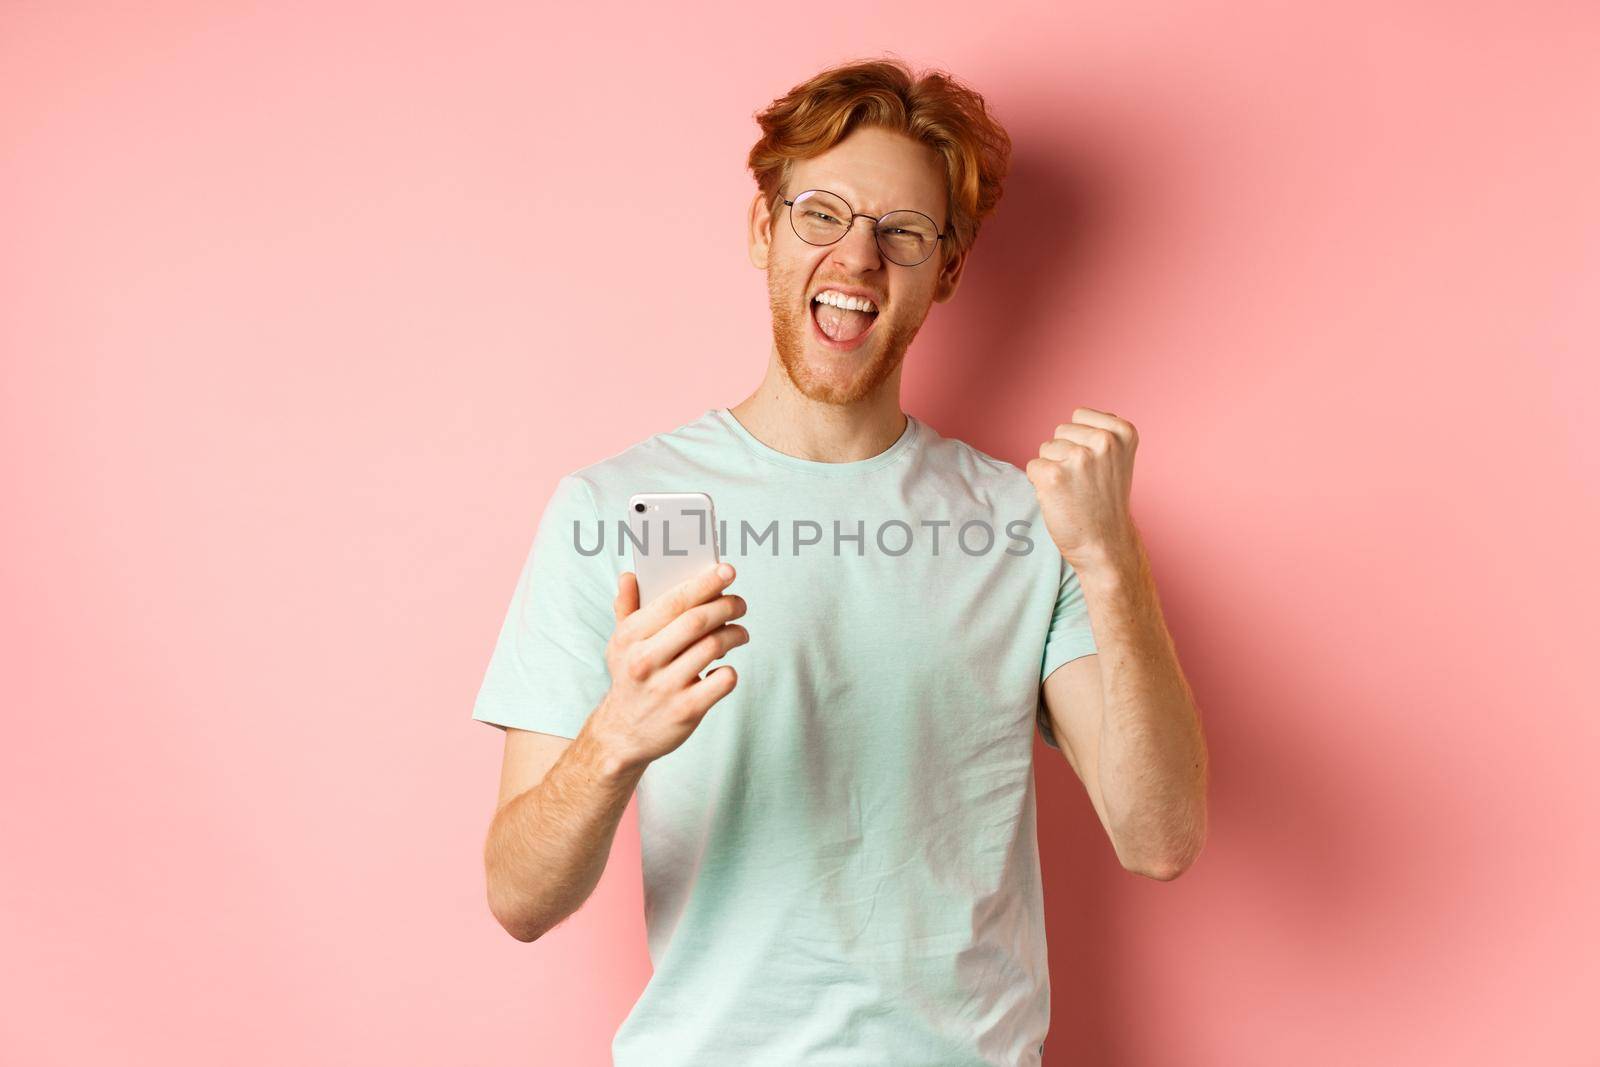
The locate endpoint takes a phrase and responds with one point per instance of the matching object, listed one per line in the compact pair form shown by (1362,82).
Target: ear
(760,231)
(949,276)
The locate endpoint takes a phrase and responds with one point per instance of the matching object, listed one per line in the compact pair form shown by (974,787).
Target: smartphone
(674,538)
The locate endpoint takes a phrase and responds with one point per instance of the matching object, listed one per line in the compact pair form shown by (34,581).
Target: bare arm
(1125,717)
(560,801)
(1127,722)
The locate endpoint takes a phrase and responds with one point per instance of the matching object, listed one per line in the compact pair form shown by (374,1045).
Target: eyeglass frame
(854,214)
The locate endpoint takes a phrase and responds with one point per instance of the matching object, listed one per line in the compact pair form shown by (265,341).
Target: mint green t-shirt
(840,863)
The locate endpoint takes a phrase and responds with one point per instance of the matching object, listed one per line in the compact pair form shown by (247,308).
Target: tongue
(840,324)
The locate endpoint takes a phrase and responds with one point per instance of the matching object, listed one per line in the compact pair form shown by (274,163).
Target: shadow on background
(1000,360)
(1001,337)
(992,347)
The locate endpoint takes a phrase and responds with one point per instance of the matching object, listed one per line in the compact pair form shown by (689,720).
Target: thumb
(627,601)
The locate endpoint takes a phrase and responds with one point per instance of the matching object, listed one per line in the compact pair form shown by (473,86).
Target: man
(838,822)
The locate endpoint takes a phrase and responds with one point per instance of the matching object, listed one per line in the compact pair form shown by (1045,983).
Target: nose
(858,249)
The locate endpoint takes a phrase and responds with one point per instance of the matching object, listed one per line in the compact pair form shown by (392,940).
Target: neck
(780,416)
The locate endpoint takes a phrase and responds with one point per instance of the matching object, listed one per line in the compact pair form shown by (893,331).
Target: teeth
(849,303)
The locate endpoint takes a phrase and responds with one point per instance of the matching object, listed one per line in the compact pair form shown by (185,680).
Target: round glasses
(905,237)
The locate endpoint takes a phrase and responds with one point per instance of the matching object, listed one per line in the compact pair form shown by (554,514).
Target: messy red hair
(932,107)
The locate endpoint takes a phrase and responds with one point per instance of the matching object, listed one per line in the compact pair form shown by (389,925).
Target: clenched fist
(1083,478)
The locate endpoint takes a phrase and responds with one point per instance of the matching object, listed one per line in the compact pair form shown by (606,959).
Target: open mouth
(839,327)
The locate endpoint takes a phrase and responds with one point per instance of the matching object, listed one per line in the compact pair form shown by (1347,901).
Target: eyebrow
(800,187)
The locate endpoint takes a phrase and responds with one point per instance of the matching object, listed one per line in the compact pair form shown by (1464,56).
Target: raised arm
(1127,722)
(1125,717)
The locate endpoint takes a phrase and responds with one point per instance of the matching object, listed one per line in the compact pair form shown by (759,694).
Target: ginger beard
(823,375)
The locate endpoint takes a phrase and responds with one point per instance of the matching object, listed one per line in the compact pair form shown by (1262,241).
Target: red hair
(932,108)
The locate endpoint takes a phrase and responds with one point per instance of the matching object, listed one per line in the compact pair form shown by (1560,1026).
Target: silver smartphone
(674,538)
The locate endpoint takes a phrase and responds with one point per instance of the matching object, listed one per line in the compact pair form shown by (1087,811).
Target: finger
(1057,449)
(698,698)
(698,656)
(627,601)
(1040,471)
(1103,420)
(680,598)
(686,629)
(1093,438)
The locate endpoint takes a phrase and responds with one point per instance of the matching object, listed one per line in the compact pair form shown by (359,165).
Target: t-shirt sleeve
(1070,636)
(548,669)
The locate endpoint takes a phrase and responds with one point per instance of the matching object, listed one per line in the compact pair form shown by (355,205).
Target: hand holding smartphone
(679,624)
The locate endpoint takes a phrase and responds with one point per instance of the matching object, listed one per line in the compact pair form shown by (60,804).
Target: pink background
(304,308)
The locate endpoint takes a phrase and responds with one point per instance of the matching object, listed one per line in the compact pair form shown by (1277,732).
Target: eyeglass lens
(905,237)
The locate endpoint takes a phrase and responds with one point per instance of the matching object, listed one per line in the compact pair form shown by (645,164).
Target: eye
(821,215)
